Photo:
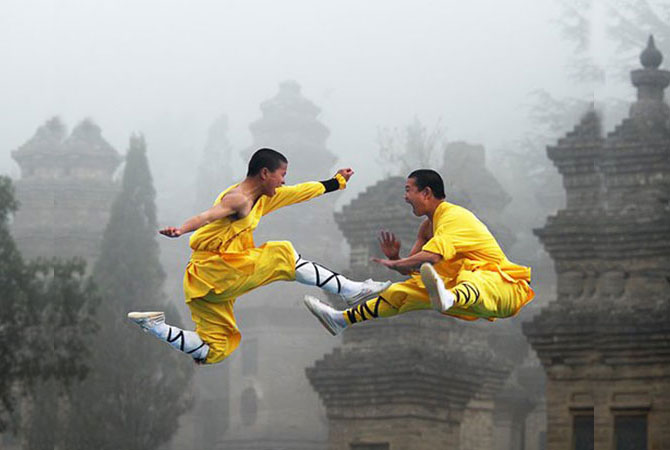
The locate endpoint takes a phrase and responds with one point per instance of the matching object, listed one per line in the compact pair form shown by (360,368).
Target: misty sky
(169,68)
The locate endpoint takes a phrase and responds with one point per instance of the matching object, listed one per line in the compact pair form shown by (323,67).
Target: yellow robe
(473,266)
(225,264)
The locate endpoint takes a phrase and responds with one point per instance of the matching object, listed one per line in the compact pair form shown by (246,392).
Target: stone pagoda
(604,341)
(291,126)
(65,191)
(420,381)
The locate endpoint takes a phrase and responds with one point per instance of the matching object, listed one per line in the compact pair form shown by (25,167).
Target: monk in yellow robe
(463,271)
(226,263)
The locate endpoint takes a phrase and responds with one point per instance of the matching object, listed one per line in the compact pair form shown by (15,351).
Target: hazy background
(512,76)
(169,68)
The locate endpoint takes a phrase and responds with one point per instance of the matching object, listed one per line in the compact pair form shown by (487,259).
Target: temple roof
(47,139)
(49,143)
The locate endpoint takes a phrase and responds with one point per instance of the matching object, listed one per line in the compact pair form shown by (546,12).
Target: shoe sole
(431,279)
(355,301)
(308,303)
(137,315)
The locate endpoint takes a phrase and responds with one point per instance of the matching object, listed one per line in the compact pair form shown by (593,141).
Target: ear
(264,173)
(428,192)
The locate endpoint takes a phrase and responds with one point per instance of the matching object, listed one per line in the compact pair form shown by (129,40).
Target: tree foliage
(138,387)
(627,23)
(46,308)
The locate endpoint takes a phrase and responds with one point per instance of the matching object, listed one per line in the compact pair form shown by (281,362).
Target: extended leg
(335,321)
(399,298)
(353,292)
(185,341)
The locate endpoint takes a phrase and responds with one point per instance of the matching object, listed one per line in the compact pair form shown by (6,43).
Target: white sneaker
(330,318)
(369,289)
(441,298)
(147,320)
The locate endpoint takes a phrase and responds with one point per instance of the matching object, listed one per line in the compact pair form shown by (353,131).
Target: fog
(169,68)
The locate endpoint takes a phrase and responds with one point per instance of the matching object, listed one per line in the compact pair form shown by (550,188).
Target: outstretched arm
(228,206)
(289,195)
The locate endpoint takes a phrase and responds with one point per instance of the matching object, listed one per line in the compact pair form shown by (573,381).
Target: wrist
(342,182)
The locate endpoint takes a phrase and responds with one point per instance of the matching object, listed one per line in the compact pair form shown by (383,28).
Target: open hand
(389,244)
(172,232)
(346,173)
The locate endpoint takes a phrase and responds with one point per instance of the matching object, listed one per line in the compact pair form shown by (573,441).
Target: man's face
(272,180)
(414,197)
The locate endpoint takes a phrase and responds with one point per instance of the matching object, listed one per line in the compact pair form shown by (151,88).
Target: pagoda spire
(650,82)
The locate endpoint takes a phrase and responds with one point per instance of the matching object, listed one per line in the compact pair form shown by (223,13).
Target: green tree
(137,388)
(14,279)
(45,323)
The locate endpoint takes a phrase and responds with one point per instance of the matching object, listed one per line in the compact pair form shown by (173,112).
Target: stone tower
(605,340)
(419,381)
(290,125)
(65,191)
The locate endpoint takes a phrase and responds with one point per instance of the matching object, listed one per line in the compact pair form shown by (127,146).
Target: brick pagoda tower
(605,340)
(65,191)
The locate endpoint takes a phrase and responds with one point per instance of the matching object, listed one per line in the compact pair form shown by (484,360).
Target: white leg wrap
(185,341)
(313,274)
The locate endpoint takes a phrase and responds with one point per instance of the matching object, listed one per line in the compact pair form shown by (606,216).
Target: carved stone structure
(468,179)
(65,191)
(291,126)
(419,381)
(605,341)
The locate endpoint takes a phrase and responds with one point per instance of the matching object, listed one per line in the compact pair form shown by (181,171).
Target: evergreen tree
(45,322)
(14,279)
(138,388)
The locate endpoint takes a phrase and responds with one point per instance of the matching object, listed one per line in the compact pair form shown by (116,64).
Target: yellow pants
(213,314)
(479,294)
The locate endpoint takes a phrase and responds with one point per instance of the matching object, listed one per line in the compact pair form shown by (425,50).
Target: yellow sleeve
(289,195)
(441,244)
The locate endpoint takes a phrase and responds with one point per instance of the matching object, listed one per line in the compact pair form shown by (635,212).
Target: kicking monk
(225,263)
(463,272)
